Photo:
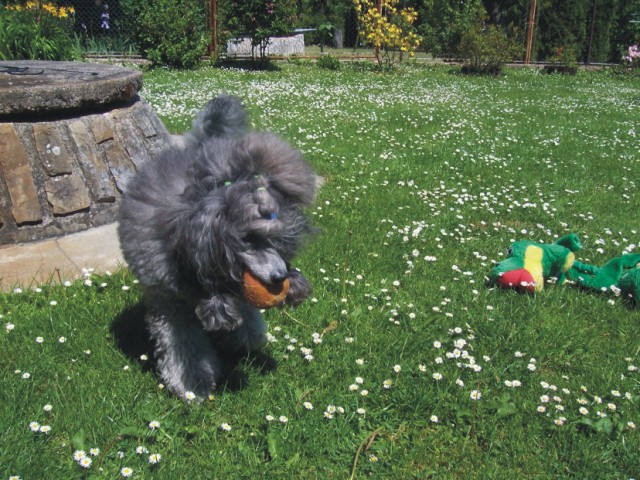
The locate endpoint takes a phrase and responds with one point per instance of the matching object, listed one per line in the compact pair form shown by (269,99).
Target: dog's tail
(222,117)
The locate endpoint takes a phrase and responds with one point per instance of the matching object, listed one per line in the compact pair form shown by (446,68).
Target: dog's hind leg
(186,359)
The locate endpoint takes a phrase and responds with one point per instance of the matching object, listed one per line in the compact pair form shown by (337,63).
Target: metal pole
(215,29)
(213,26)
(593,28)
(377,50)
(532,20)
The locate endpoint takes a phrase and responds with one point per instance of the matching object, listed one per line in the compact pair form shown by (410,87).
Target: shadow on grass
(132,338)
(248,64)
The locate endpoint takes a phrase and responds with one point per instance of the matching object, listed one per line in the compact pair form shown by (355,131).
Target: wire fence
(110,27)
(106,26)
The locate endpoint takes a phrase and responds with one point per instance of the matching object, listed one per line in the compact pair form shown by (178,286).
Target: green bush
(442,24)
(485,49)
(328,62)
(36,32)
(564,60)
(173,32)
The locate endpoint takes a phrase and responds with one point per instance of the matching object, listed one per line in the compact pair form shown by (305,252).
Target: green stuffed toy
(529,264)
(629,285)
(620,275)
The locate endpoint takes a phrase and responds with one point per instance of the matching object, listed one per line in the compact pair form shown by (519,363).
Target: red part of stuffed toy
(519,279)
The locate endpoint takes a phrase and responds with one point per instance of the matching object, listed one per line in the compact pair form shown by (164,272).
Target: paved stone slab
(18,176)
(61,258)
(51,149)
(67,194)
(101,129)
(34,87)
(90,158)
(120,165)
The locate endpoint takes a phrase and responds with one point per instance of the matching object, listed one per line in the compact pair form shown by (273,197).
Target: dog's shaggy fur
(220,200)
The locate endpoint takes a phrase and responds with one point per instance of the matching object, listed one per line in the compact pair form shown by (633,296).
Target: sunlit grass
(404,364)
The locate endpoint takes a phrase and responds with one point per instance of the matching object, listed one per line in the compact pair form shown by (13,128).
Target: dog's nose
(267,213)
(279,277)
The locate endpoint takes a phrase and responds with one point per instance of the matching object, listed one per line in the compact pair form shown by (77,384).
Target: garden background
(179,32)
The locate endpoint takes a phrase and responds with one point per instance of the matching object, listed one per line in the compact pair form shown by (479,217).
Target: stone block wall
(278,46)
(67,175)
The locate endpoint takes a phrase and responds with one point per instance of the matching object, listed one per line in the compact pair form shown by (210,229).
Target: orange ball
(263,295)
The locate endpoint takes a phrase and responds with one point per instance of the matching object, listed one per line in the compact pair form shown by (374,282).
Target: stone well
(71,136)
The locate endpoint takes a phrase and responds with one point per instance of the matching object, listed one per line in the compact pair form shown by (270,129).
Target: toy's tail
(616,266)
(630,286)
(579,267)
(603,278)
(630,260)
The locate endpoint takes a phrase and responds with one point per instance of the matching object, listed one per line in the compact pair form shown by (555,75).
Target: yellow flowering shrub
(47,7)
(37,30)
(388,29)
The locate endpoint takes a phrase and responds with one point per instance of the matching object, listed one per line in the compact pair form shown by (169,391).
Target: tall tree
(561,25)
(326,15)
(508,13)
(444,21)
(600,21)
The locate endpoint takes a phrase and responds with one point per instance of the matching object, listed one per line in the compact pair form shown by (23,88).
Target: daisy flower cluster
(35,426)
(332,410)
(85,460)
(293,344)
(153,458)
(458,354)
(584,407)
(282,418)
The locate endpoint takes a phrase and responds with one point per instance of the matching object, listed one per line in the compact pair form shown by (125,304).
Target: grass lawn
(404,364)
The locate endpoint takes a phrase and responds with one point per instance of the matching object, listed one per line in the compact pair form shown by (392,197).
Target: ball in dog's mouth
(261,294)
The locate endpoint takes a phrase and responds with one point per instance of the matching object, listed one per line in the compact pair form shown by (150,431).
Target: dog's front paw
(219,313)
(190,378)
(250,337)
(187,362)
(299,288)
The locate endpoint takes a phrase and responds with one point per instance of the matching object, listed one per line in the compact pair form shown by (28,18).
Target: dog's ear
(299,288)
(208,242)
(270,156)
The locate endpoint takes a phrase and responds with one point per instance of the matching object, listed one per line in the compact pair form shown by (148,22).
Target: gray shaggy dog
(220,200)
